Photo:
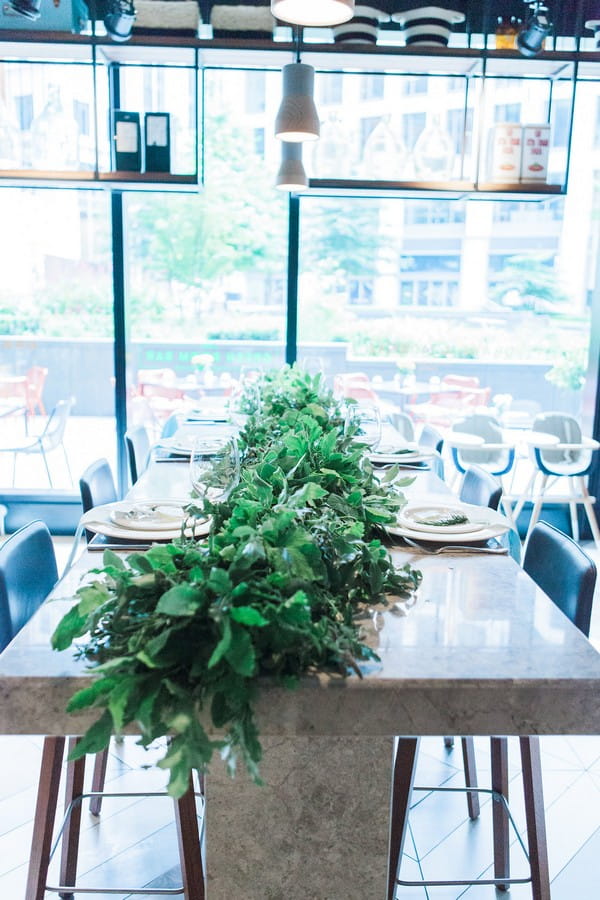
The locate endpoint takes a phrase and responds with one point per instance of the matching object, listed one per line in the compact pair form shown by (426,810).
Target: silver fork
(455,548)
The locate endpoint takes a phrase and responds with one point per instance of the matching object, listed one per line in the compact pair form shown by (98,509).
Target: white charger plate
(408,458)
(483,524)
(100,520)
(149,515)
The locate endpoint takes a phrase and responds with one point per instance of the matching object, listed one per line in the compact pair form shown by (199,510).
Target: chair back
(488,428)
(431,437)
(54,432)
(480,488)
(568,430)
(137,443)
(27,575)
(563,571)
(171,425)
(403,423)
(97,485)
(34,387)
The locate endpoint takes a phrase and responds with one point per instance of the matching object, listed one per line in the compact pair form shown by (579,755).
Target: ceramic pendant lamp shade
(425,24)
(364,27)
(318,13)
(297,119)
(291,175)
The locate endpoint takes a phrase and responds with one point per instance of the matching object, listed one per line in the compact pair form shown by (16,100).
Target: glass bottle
(332,156)
(433,153)
(384,154)
(506,32)
(54,136)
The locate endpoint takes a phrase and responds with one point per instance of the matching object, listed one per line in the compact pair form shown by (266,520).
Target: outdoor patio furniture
(34,388)
(50,439)
(452,398)
(558,450)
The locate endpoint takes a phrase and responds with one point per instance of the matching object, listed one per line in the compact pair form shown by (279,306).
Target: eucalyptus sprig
(182,637)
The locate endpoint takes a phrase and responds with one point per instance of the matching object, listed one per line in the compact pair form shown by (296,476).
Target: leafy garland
(188,630)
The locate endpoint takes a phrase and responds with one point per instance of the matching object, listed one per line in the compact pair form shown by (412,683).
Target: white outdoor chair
(50,439)
(558,450)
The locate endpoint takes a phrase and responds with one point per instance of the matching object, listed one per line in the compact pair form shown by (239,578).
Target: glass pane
(46,116)
(393,128)
(56,333)
(207,272)
(398,295)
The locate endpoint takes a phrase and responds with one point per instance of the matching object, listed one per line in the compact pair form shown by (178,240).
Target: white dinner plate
(100,520)
(409,457)
(149,515)
(482,524)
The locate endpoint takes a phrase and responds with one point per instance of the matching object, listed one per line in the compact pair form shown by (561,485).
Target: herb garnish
(186,631)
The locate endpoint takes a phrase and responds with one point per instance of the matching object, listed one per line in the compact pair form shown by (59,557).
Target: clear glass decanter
(54,136)
(433,153)
(384,154)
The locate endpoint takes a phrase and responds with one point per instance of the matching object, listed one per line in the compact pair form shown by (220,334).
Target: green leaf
(96,738)
(181,600)
(222,647)
(241,655)
(88,696)
(110,558)
(118,699)
(71,626)
(247,615)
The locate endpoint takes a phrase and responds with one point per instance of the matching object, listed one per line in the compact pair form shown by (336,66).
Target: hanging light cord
(298,41)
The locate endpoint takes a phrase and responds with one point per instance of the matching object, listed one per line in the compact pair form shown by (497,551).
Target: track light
(291,175)
(318,13)
(30,9)
(297,119)
(530,40)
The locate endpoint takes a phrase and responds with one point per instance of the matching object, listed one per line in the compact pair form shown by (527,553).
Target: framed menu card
(126,144)
(158,142)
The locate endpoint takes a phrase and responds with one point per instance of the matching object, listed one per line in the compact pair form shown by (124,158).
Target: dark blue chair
(137,443)
(564,571)
(480,488)
(28,573)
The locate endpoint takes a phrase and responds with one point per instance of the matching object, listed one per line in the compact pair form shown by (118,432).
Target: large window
(56,332)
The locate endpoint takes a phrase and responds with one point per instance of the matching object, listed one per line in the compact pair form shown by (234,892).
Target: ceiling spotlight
(530,40)
(318,13)
(291,175)
(297,119)
(30,9)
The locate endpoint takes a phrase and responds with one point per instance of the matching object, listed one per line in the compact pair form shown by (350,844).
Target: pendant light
(317,13)
(291,175)
(297,118)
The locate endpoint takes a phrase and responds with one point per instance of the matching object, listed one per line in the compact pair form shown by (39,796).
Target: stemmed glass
(364,422)
(214,468)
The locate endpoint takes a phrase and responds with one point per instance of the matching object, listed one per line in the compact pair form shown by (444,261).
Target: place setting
(141,522)
(444,526)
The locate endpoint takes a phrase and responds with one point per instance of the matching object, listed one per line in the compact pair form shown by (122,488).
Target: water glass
(214,468)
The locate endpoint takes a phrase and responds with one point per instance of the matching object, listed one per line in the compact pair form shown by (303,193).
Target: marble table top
(480,650)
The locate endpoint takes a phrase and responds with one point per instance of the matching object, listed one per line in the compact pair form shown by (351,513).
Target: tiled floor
(134,842)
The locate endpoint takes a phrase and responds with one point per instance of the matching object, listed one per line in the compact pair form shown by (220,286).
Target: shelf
(89,180)
(165,49)
(431,190)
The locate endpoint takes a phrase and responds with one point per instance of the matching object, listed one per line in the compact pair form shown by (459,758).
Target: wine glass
(364,422)
(214,468)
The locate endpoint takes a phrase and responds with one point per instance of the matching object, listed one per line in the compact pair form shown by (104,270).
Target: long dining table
(480,650)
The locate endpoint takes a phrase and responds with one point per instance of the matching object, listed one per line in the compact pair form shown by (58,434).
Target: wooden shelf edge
(159,181)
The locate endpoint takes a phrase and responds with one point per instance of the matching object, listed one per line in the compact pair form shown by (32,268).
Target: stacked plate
(449,523)
(404,454)
(148,520)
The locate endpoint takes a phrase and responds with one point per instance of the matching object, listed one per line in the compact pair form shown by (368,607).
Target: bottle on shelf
(384,154)
(54,136)
(507,30)
(433,153)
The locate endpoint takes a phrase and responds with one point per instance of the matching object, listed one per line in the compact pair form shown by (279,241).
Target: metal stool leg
(470,769)
(402,784)
(70,838)
(534,812)
(45,813)
(190,852)
(98,777)
(499,756)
